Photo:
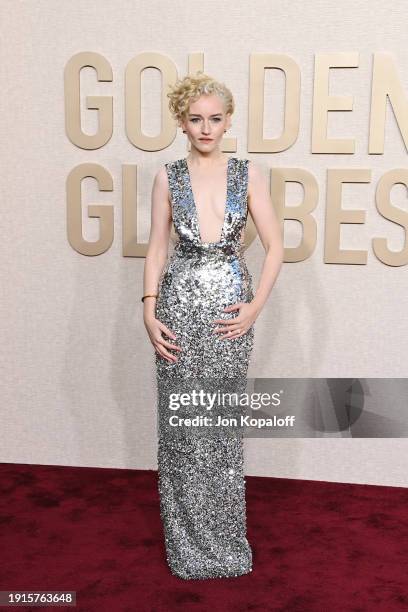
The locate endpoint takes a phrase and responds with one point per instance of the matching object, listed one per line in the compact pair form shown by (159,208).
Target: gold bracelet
(149,295)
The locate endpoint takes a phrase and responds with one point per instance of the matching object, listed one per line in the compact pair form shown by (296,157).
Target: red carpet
(318,546)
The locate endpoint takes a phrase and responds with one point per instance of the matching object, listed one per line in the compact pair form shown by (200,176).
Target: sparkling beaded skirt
(201,477)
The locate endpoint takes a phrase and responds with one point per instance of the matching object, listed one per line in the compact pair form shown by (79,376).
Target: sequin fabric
(201,478)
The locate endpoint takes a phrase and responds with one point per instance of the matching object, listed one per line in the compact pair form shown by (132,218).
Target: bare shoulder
(165,173)
(257,179)
(161,178)
(256,172)
(161,188)
(161,182)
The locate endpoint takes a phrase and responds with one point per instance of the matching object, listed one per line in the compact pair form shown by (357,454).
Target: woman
(199,312)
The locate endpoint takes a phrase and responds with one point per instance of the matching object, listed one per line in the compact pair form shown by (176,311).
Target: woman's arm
(157,249)
(269,231)
(156,257)
(266,222)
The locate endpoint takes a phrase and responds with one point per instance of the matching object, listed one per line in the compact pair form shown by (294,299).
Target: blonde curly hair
(190,88)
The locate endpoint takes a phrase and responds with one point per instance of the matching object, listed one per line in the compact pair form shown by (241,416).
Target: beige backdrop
(78,369)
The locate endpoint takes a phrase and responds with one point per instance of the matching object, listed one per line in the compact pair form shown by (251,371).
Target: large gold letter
(301,212)
(336,215)
(133,77)
(386,83)
(393,213)
(256,141)
(322,102)
(103,104)
(101,211)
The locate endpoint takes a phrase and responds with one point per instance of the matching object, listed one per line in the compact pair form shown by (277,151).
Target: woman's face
(206,119)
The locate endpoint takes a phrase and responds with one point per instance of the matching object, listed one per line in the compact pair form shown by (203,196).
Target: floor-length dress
(201,478)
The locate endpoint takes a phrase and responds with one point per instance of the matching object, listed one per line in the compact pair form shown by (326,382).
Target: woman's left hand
(237,326)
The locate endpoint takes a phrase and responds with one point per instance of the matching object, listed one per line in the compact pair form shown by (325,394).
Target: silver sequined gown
(201,479)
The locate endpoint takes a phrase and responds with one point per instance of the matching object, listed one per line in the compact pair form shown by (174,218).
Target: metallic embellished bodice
(184,210)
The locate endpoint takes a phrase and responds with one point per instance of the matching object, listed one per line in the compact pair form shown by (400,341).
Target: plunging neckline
(196,217)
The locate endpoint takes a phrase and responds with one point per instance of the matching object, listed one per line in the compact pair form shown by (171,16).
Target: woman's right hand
(155,328)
